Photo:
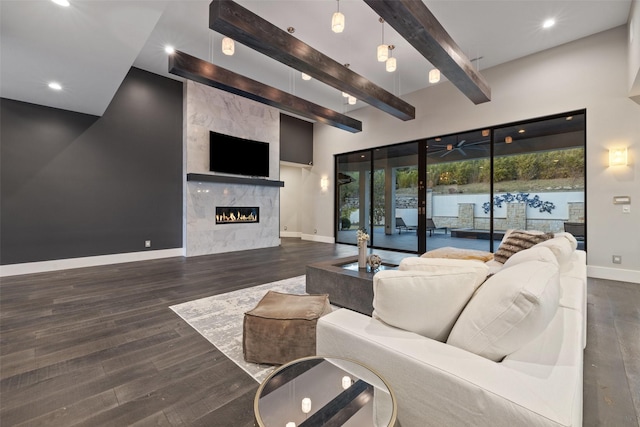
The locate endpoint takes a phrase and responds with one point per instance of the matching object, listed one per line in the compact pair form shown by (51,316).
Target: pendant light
(383,49)
(337,21)
(228,46)
(391,61)
(434,76)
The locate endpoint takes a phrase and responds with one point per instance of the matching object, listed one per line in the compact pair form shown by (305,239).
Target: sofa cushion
(517,241)
(425,302)
(510,309)
(459,253)
(444,265)
(561,248)
(535,253)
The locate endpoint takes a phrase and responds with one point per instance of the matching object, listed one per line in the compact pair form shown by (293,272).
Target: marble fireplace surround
(208,109)
(207,237)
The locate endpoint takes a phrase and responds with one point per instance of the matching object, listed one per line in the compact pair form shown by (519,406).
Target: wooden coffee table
(347,285)
(324,391)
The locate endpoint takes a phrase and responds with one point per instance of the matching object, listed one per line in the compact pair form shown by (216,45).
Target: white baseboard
(297,234)
(618,274)
(316,238)
(92,261)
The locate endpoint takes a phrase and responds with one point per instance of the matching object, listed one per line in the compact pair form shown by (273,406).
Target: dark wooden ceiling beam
(415,22)
(244,26)
(192,68)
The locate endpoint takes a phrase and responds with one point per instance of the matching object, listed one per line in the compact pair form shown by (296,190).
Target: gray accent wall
(75,185)
(296,140)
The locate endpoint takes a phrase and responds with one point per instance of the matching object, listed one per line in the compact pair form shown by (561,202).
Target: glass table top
(354,267)
(315,391)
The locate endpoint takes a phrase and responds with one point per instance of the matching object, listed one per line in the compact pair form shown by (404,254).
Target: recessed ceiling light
(64,3)
(521,131)
(169,49)
(569,117)
(549,23)
(55,86)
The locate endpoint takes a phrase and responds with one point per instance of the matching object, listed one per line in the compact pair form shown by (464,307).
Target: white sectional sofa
(510,353)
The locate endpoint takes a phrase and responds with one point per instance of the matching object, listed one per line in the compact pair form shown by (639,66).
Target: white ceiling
(89,46)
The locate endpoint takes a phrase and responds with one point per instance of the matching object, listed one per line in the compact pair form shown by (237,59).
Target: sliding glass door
(539,176)
(395,197)
(377,190)
(466,189)
(353,195)
(458,185)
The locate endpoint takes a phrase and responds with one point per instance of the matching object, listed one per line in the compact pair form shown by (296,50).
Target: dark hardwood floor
(99,346)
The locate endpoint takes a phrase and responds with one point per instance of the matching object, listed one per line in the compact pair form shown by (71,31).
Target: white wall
(290,198)
(590,74)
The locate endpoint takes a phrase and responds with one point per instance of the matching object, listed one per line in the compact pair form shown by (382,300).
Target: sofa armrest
(438,384)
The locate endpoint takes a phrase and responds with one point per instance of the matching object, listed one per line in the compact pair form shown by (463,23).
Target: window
(466,189)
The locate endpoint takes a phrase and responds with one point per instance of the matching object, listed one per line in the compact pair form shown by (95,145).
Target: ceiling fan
(450,148)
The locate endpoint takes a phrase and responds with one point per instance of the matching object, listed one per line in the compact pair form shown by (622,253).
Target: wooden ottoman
(282,327)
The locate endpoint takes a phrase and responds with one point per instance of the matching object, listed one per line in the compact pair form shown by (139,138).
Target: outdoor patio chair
(575,228)
(431,227)
(401,225)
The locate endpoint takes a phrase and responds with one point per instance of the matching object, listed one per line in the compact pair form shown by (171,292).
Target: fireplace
(235,215)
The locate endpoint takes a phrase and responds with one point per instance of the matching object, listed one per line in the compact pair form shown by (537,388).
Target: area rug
(219,319)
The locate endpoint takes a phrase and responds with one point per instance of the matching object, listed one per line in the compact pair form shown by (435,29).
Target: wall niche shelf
(223,179)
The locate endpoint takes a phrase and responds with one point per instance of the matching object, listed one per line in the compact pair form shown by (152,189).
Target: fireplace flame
(227,215)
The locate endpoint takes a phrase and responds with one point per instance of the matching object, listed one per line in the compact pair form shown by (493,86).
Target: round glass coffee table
(318,391)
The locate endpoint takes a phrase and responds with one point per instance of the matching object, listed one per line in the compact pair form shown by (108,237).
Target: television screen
(238,156)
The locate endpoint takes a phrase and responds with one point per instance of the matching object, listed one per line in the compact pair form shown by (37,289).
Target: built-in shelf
(223,179)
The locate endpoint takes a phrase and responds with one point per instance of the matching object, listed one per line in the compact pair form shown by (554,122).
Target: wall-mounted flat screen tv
(238,156)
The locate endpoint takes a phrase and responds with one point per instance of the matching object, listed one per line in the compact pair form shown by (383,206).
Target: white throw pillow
(561,248)
(535,253)
(510,309)
(425,302)
(569,237)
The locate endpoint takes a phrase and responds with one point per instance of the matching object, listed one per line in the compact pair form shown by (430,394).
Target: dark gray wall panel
(296,140)
(74,185)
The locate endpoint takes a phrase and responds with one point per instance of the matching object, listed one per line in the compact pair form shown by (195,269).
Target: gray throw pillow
(518,241)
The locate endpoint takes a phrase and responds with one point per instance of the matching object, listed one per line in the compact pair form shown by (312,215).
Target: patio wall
(466,211)
(451,210)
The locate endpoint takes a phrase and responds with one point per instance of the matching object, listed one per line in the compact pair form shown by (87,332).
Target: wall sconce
(618,156)
(324,183)
(508,140)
